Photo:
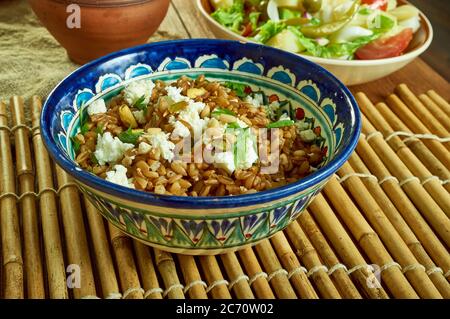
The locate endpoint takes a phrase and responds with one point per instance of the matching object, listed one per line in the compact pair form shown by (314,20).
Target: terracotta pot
(105,26)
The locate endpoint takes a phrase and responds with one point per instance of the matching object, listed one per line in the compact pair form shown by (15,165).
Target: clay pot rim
(103,4)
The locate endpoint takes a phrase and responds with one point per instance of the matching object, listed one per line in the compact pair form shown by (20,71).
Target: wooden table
(184,21)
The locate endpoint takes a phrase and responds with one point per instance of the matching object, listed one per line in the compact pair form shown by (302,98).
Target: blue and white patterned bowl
(204,225)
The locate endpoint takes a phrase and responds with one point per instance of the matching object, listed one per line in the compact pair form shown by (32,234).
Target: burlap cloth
(31,61)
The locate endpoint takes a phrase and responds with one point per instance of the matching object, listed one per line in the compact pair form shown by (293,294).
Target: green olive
(312,5)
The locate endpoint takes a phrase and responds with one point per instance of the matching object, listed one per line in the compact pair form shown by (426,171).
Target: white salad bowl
(350,72)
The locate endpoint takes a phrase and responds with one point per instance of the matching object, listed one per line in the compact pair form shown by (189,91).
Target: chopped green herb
(219,111)
(99,129)
(83,121)
(84,128)
(94,159)
(282,123)
(238,88)
(234,125)
(129,136)
(75,144)
(140,103)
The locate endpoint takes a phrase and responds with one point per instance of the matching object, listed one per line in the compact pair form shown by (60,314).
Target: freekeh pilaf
(196,137)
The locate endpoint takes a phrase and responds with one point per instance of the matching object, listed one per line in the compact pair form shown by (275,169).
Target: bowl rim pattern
(214,202)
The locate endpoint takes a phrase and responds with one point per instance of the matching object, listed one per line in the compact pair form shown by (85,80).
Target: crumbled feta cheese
(161,140)
(144,148)
(196,106)
(191,116)
(109,149)
(284,117)
(97,107)
(180,130)
(140,116)
(255,101)
(138,89)
(119,176)
(154,166)
(241,124)
(225,160)
(307,136)
(212,133)
(175,94)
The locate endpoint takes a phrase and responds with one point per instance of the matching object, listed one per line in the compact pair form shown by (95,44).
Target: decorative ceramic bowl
(349,72)
(104,26)
(204,225)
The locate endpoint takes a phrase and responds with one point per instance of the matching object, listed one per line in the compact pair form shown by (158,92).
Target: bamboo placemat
(384,215)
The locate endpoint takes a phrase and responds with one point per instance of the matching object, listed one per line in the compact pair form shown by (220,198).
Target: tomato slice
(386,48)
(376,4)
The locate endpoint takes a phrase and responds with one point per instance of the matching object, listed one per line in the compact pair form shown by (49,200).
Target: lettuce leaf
(231,17)
(347,48)
(382,23)
(268,30)
(253,18)
(311,46)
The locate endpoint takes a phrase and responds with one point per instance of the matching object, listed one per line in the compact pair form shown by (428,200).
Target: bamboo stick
(404,205)
(280,283)
(24,168)
(431,211)
(400,225)
(433,186)
(9,218)
(168,271)
(191,274)
(435,110)
(308,255)
(368,239)
(402,111)
(75,234)
(214,277)
(435,126)
(389,235)
(443,104)
(416,125)
(103,258)
(344,246)
(299,279)
(260,284)
(241,288)
(147,270)
(54,260)
(339,276)
(125,264)
(417,146)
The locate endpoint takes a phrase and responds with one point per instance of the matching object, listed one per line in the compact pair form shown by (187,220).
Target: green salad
(336,29)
